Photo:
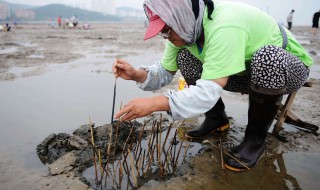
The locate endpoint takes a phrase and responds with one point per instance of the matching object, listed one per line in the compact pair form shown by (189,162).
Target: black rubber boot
(215,120)
(262,111)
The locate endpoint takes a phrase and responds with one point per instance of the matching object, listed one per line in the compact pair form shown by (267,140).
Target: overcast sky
(279,9)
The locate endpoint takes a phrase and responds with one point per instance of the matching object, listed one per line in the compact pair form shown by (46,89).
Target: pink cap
(156,24)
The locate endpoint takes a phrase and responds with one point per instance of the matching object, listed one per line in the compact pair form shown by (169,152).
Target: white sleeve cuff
(194,100)
(157,77)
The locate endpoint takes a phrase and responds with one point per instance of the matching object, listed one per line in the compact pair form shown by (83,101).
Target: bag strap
(195,7)
(284,37)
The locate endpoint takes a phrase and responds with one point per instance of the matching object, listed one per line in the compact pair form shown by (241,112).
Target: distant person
(289,19)
(86,26)
(15,23)
(74,20)
(66,23)
(59,21)
(7,27)
(315,23)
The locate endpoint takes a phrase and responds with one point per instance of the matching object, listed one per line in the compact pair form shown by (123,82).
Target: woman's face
(168,33)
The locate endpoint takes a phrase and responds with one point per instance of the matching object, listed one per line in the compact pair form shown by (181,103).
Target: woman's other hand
(123,69)
(142,107)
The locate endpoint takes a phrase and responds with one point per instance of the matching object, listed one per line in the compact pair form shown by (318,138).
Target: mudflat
(52,80)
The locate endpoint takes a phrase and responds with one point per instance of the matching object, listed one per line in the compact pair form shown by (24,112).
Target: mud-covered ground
(52,80)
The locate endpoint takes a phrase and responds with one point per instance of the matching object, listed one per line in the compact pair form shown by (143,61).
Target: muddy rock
(73,153)
(78,142)
(64,164)
(42,149)
(83,131)
(53,147)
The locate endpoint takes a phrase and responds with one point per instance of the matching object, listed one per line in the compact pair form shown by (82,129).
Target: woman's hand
(142,107)
(123,69)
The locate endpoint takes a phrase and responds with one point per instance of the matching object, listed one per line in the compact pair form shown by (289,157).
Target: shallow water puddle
(280,171)
(21,70)
(27,44)
(59,100)
(302,170)
(35,56)
(8,50)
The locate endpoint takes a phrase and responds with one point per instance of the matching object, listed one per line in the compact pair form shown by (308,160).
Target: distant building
(4,11)
(25,14)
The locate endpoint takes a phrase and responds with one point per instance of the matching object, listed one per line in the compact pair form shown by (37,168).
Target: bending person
(218,46)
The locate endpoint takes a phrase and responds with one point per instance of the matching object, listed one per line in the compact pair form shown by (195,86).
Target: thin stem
(94,156)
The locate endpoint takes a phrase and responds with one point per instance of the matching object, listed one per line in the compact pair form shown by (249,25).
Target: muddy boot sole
(242,169)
